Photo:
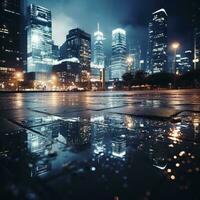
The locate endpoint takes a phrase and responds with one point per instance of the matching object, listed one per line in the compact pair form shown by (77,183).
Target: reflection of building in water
(98,132)
(175,134)
(38,145)
(196,124)
(76,133)
(119,146)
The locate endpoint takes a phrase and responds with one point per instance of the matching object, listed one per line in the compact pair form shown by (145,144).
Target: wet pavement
(130,145)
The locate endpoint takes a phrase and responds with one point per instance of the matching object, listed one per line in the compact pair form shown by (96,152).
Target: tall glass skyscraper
(99,57)
(39,41)
(119,53)
(135,53)
(98,48)
(157,44)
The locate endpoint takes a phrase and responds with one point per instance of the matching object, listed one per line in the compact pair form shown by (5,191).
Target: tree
(162,79)
(128,79)
(139,78)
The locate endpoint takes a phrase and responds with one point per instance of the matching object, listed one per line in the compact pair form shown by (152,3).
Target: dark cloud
(133,15)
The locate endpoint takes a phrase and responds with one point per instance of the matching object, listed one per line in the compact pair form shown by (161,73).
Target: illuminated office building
(11,18)
(78,45)
(99,57)
(157,43)
(119,54)
(99,48)
(184,62)
(196,24)
(135,53)
(55,53)
(67,71)
(39,42)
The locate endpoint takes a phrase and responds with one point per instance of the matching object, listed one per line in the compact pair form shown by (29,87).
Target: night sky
(133,15)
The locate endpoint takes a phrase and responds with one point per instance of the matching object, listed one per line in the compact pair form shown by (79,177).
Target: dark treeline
(162,80)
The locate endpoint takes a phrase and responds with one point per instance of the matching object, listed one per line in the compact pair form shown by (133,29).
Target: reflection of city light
(173,177)
(99,149)
(175,134)
(177,164)
(35,144)
(181,153)
(119,155)
(119,146)
(129,122)
(196,124)
(169,170)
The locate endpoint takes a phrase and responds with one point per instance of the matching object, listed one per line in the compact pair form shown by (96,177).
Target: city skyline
(130,15)
(123,53)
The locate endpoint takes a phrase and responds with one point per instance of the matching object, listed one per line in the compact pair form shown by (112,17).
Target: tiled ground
(134,145)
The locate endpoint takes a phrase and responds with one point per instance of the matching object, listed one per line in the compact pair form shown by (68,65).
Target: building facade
(39,42)
(135,53)
(78,45)
(55,53)
(184,62)
(157,43)
(67,71)
(196,25)
(119,54)
(11,18)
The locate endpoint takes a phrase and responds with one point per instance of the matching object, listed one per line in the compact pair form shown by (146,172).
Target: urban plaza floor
(100,145)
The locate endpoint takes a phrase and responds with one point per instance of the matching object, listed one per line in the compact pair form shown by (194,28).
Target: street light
(19,77)
(175,47)
(195,61)
(129,61)
(54,80)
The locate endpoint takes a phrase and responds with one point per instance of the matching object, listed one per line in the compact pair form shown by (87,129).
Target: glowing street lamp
(54,78)
(175,47)
(19,77)
(195,61)
(129,61)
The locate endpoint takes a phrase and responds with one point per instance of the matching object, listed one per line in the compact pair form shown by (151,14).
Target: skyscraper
(99,57)
(196,24)
(98,48)
(78,45)
(10,35)
(55,53)
(135,53)
(184,62)
(157,43)
(39,41)
(119,53)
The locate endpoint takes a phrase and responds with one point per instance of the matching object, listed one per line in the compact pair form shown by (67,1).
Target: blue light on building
(157,45)
(119,53)
(99,57)
(39,41)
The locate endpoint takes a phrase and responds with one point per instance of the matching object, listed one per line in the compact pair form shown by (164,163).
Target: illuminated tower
(157,45)
(119,53)
(98,48)
(99,57)
(39,41)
